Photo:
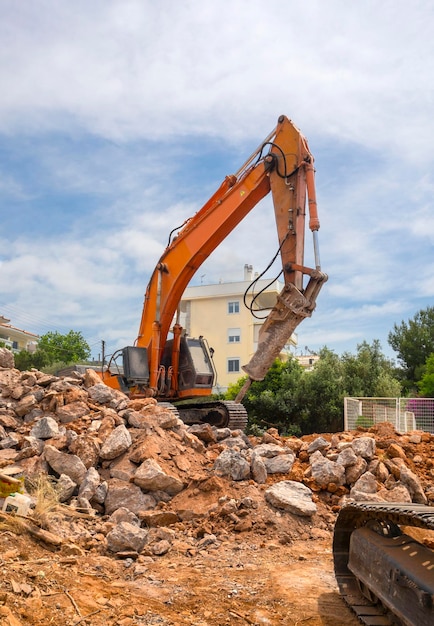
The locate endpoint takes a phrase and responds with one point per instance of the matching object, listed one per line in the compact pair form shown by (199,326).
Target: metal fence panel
(405,414)
(423,411)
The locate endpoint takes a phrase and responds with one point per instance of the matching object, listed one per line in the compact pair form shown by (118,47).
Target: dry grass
(12,523)
(45,496)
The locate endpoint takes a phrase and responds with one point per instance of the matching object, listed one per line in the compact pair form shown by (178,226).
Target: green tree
(413,341)
(301,402)
(387,386)
(69,348)
(369,372)
(53,347)
(321,395)
(25,360)
(272,402)
(426,384)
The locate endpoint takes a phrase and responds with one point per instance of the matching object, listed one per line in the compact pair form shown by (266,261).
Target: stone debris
(291,496)
(149,478)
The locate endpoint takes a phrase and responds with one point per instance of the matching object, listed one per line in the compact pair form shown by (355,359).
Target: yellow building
(16,339)
(307,361)
(217,312)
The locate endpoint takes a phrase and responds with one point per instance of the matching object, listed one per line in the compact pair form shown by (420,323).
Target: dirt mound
(147,521)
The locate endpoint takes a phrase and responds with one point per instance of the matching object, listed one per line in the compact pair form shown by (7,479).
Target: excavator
(178,370)
(384,574)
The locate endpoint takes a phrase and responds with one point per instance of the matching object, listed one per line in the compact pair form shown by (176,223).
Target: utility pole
(103,354)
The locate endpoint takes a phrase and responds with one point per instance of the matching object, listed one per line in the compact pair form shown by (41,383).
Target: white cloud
(129,69)
(101,102)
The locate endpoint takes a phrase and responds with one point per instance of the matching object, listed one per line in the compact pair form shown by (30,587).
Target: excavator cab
(196,372)
(196,369)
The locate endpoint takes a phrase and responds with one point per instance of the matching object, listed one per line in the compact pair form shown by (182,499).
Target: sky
(120,118)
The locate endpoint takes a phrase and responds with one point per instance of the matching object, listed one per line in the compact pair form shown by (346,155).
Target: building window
(234,335)
(234,306)
(233,365)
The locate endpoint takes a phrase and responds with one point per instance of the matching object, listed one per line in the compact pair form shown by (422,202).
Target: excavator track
(384,575)
(220,413)
(169,407)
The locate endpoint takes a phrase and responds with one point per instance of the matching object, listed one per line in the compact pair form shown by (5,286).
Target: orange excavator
(179,368)
(384,575)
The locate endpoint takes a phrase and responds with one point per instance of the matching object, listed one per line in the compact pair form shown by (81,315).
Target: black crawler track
(222,414)
(397,583)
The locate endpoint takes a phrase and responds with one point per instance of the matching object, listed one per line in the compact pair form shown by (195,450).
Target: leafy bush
(297,401)
(364,422)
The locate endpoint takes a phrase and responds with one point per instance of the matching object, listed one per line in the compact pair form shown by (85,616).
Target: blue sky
(118,120)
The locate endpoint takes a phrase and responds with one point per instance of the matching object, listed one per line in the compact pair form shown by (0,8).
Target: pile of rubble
(146,479)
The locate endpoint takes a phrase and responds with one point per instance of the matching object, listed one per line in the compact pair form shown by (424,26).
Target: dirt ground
(259,567)
(212,550)
(240,580)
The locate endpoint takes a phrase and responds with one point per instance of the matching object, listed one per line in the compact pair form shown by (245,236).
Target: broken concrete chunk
(116,443)
(150,477)
(45,428)
(364,447)
(64,463)
(325,471)
(318,444)
(291,496)
(128,495)
(126,536)
(230,463)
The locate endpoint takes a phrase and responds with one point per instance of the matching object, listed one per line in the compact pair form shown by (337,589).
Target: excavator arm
(283,164)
